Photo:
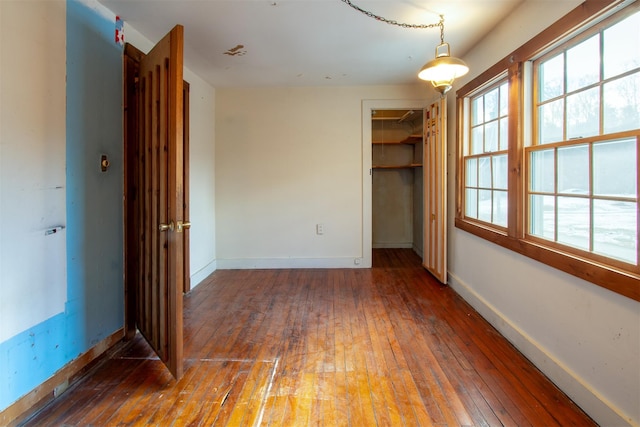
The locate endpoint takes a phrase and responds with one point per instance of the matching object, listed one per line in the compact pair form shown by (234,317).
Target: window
(584,194)
(485,159)
(548,155)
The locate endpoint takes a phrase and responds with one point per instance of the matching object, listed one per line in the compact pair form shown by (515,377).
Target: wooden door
(435,189)
(161,200)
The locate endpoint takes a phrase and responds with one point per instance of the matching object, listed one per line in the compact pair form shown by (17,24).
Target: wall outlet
(319,229)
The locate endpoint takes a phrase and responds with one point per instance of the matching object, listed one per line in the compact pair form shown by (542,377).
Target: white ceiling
(311,42)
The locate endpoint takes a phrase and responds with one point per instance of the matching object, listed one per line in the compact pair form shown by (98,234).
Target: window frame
(588,266)
(467,154)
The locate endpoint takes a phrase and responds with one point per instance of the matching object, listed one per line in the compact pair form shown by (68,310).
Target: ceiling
(231,43)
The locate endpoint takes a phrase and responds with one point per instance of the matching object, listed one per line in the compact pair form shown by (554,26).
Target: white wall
(286,160)
(201,178)
(585,338)
(32,164)
(202,98)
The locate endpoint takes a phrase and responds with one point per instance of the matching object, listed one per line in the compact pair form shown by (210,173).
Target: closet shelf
(411,139)
(412,165)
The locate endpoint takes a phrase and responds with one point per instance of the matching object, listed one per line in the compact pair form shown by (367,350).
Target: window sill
(617,280)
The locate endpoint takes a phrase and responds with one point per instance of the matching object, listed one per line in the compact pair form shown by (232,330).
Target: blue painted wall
(95,301)
(94,198)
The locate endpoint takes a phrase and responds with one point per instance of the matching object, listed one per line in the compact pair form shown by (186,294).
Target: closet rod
(405,115)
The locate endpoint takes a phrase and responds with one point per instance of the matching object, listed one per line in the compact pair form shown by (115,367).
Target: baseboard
(60,381)
(203,273)
(273,263)
(595,405)
(404,245)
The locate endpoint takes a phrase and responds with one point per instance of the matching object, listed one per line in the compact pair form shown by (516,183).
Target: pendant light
(444,69)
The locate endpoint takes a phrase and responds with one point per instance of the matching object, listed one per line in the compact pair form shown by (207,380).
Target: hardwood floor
(386,346)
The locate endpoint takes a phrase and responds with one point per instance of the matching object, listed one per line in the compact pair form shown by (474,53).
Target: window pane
(552,78)
(551,121)
(484,205)
(477,111)
(491,137)
(615,229)
(504,100)
(504,136)
(583,64)
(622,46)
(573,169)
(500,172)
(491,106)
(500,208)
(484,175)
(471,203)
(543,173)
(542,216)
(472,173)
(583,114)
(615,169)
(477,136)
(573,222)
(622,104)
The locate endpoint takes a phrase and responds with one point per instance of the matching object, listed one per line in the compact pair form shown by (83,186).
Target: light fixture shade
(443,70)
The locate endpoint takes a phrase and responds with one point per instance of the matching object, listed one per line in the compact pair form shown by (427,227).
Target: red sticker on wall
(119,31)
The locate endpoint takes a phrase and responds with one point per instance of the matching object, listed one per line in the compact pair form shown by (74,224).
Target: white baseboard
(203,273)
(595,405)
(270,263)
(405,245)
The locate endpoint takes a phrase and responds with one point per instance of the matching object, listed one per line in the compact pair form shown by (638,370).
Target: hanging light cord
(400,24)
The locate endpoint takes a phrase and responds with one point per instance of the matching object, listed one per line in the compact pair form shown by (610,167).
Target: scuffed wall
(61,289)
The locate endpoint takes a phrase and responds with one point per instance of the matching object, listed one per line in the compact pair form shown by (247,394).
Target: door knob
(183,226)
(165,227)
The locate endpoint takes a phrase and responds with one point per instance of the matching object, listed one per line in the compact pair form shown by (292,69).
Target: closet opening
(404,194)
(397,179)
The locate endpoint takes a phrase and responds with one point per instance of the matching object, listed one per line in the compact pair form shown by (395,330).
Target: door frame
(132,57)
(368,106)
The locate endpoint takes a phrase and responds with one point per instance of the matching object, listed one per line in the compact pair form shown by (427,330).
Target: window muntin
(584,194)
(592,87)
(486,162)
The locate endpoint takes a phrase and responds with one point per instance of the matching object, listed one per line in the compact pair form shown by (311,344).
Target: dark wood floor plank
(222,376)
(379,366)
(387,346)
(98,383)
(141,396)
(390,355)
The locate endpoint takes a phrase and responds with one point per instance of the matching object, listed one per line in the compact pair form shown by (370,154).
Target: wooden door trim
(185,181)
(132,57)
